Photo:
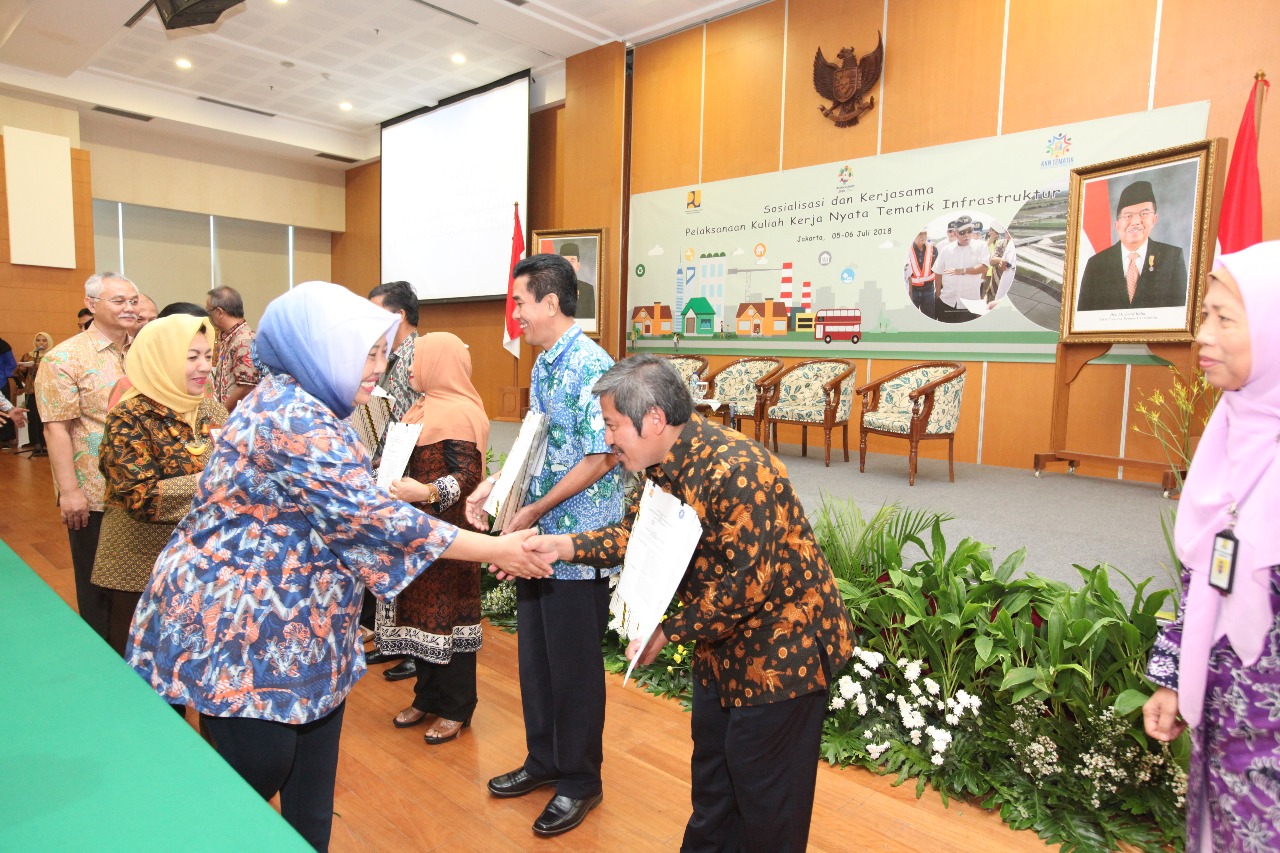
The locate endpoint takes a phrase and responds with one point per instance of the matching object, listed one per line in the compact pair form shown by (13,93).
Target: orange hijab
(450,407)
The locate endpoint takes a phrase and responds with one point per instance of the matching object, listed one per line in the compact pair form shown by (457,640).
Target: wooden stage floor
(394,792)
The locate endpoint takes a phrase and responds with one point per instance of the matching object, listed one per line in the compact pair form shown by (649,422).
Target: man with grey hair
(234,375)
(73,384)
(761,607)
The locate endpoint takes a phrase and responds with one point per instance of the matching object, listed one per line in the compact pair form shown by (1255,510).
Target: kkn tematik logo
(1058,149)
(845,174)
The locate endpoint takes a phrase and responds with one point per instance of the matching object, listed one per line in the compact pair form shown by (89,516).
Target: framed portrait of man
(583,248)
(1140,236)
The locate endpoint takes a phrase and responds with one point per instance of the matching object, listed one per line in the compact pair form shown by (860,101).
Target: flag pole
(1259,95)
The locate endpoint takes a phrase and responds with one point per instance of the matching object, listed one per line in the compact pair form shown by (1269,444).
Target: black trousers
(562,623)
(93,602)
(123,604)
(753,771)
(447,689)
(300,762)
(35,426)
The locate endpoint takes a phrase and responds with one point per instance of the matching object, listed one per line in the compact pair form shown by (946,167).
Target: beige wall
(28,115)
(178,183)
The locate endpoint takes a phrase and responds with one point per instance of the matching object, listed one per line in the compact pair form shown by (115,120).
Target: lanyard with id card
(1222,568)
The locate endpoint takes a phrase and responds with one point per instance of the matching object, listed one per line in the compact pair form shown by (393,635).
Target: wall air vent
(112,111)
(337,157)
(235,106)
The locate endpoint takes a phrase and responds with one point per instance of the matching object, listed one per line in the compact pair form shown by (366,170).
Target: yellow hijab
(156,363)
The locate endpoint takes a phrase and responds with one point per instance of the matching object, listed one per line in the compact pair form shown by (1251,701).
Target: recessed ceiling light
(458,59)
(345,106)
(183,63)
(282,2)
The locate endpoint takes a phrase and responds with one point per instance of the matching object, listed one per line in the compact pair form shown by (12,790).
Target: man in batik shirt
(234,375)
(761,607)
(73,384)
(562,618)
(398,298)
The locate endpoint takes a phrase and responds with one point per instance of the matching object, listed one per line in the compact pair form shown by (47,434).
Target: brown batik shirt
(760,600)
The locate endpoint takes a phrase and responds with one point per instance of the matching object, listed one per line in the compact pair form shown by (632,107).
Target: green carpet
(92,758)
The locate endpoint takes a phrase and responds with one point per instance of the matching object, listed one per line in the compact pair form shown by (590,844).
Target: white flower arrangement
(918,715)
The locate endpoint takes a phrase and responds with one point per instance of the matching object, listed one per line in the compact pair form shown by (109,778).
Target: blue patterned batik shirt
(253,607)
(561,389)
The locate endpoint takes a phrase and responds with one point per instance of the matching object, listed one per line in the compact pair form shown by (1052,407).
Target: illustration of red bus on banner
(838,324)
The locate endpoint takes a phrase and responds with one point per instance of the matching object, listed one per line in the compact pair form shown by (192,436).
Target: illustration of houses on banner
(698,317)
(652,319)
(762,319)
(711,276)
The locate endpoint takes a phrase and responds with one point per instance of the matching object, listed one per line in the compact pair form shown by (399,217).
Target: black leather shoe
(405,669)
(564,813)
(381,657)
(517,783)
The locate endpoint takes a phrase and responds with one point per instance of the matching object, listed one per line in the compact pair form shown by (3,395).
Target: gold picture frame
(1163,205)
(589,243)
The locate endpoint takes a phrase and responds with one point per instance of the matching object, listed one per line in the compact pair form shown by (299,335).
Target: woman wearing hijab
(27,368)
(251,614)
(155,443)
(436,620)
(1217,666)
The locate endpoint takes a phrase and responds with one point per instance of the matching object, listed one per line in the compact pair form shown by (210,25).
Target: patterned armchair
(915,403)
(818,392)
(688,365)
(741,384)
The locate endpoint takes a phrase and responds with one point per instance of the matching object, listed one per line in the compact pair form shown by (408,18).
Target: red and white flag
(511,329)
(1240,224)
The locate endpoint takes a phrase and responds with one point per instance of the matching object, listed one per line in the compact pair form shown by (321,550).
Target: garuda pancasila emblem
(848,83)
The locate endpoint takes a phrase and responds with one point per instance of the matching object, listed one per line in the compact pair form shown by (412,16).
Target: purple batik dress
(1235,751)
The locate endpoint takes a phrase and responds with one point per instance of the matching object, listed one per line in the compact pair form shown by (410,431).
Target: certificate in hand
(523,462)
(398,447)
(663,538)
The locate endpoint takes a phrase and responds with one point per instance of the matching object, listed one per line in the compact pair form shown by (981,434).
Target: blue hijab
(320,334)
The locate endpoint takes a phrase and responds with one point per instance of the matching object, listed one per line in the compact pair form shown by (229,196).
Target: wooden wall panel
(46,299)
(357,252)
(1143,381)
(922,103)
(546,171)
(492,368)
(1075,61)
(593,126)
(809,138)
(1214,55)
(1019,403)
(666,111)
(741,127)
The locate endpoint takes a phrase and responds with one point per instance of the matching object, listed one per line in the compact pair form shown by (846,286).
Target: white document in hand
(663,538)
(523,462)
(401,439)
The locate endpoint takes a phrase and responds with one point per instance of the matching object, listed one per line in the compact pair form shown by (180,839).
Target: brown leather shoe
(443,731)
(410,717)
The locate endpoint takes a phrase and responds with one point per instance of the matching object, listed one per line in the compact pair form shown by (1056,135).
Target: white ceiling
(298,60)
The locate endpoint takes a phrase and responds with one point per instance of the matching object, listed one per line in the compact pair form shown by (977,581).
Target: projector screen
(450,177)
